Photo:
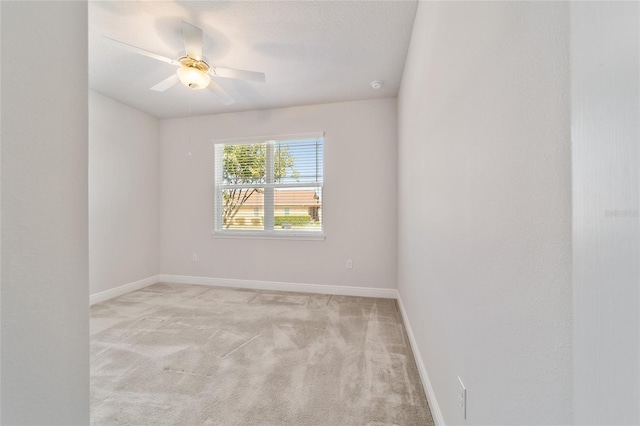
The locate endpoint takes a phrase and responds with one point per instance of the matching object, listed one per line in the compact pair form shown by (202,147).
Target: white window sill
(285,235)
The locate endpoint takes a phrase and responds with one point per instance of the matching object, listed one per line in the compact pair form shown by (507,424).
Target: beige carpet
(194,355)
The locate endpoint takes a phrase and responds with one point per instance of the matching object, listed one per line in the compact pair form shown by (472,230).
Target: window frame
(218,229)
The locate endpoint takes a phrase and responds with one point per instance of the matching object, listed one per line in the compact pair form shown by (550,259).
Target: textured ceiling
(311,51)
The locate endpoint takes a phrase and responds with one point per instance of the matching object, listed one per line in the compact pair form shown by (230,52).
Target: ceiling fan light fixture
(193,78)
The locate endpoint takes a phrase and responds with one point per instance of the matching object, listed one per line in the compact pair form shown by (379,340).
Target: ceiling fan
(194,71)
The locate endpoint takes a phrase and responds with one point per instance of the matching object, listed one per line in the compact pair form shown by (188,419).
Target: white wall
(0,222)
(605,59)
(45,344)
(484,189)
(359,198)
(124,201)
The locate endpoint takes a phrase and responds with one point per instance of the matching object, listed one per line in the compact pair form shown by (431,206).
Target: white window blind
(269,186)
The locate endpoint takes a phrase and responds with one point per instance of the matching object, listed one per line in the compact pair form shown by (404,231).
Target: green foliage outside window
(247,164)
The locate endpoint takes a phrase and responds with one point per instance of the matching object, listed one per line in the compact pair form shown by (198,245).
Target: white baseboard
(428,389)
(123,289)
(388,293)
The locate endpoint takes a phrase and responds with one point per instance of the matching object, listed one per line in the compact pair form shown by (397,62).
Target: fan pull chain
(189,123)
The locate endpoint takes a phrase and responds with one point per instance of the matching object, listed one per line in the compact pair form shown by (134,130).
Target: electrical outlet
(194,257)
(349,264)
(462,398)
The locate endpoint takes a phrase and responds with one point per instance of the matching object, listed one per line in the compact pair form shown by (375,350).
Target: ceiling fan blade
(238,74)
(166,83)
(192,40)
(224,97)
(140,51)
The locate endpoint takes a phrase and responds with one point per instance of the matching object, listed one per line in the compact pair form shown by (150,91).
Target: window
(269,186)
